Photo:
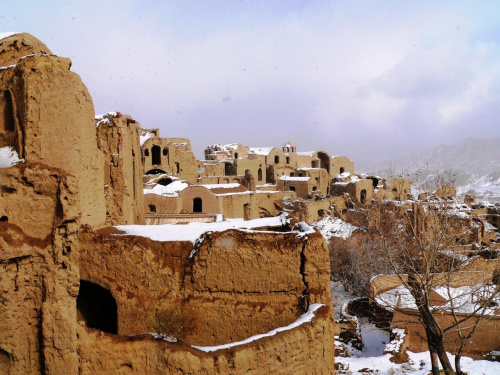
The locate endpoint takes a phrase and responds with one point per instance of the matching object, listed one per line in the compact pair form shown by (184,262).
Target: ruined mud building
(79,295)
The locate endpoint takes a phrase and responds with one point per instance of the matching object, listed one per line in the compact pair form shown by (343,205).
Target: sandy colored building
(78,296)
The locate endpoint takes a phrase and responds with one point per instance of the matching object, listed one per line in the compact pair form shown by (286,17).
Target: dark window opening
(292,188)
(155,171)
(341,170)
(363,196)
(230,169)
(236,155)
(276,159)
(321,213)
(292,174)
(197,205)
(97,307)
(165,181)
(177,167)
(259,174)
(152,208)
(7,112)
(4,219)
(374,182)
(315,188)
(300,174)
(327,190)
(156,155)
(288,160)
(165,151)
(146,152)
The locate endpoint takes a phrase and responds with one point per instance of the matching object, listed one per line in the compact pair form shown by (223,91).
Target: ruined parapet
(47,116)
(302,348)
(168,155)
(118,138)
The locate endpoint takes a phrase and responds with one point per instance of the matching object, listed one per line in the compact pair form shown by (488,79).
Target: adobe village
(122,253)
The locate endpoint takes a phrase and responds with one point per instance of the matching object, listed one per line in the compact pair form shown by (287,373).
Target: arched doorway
(156,155)
(97,307)
(197,205)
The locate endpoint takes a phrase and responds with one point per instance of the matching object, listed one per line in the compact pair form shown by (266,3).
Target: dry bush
(355,261)
(174,322)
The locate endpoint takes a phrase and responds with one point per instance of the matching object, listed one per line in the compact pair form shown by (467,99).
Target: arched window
(152,208)
(97,307)
(165,151)
(197,205)
(315,188)
(341,170)
(259,174)
(146,152)
(236,155)
(292,188)
(362,196)
(276,159)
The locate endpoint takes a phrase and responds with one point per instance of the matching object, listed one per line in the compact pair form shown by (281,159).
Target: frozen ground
(418,364)
(371,357)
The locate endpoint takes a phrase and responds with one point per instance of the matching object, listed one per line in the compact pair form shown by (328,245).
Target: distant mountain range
(474,163)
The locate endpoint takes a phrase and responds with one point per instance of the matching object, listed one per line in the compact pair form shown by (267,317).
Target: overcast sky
(366,79)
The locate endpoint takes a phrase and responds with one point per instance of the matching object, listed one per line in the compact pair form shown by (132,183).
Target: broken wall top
(15,46)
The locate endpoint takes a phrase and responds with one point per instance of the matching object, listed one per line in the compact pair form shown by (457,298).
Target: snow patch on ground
(304,318)
(9,157)
(418,364)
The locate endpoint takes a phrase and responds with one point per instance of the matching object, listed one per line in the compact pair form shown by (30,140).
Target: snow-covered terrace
(192,231)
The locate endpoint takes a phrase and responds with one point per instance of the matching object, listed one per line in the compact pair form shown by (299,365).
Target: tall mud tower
(47,116)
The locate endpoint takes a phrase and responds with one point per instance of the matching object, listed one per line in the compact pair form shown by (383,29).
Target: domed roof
(13,46)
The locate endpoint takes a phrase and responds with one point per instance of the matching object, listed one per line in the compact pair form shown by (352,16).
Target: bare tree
(413,240)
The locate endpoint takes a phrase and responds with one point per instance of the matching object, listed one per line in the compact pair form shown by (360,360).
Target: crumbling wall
(38,270)
(118,139)
(307,349)
(253,282)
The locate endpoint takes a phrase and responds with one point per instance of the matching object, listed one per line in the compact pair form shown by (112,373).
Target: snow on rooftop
(288,178)
(8,33)
(145,135)
(171,190)
(192,231)
(334,227)
(465,299)
(260,150)
(343,175)
(304,318)
(9,157)
(104,119)
(222,186)
(306,153)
